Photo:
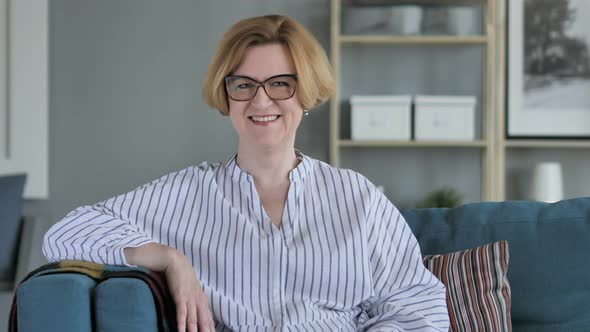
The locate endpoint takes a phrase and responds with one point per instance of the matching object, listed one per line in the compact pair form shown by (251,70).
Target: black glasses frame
(258,85)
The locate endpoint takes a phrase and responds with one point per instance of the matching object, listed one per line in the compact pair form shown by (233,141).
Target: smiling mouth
(264,119)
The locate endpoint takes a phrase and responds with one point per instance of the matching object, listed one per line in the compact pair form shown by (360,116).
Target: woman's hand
(192,307)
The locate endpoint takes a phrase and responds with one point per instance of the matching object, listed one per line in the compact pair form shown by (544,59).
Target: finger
(211,325)
(205,318)
(181,316)
(191,319)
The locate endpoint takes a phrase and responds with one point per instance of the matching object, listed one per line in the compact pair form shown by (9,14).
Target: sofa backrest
(549,245)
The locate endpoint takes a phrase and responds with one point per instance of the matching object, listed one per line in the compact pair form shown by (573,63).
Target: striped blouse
(343,259)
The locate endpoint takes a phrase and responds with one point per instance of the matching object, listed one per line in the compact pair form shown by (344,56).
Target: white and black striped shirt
(344,258)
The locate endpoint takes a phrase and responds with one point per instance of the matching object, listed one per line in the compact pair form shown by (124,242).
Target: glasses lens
(240,88)
(281,87)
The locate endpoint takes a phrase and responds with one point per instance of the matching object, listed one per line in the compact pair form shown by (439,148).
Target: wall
(126,102)
(126,82)
(126,107)
(125,96)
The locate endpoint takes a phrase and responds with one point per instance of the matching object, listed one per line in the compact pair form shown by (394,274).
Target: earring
(305,112)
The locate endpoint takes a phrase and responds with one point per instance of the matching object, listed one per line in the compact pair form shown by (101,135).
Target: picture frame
(548,79)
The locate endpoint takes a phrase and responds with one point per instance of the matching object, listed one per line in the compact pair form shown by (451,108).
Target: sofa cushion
(57,302)
(549,246)
(126,305)
(11,201)
(478,293)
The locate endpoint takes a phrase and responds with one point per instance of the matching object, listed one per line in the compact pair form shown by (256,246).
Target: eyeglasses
(243,88)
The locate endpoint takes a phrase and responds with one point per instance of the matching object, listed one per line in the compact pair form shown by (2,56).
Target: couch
(548,272)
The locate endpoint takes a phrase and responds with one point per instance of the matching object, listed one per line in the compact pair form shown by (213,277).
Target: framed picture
(548,69)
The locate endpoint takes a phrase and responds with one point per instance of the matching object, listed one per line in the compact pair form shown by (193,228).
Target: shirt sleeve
(407,297)
(99,233)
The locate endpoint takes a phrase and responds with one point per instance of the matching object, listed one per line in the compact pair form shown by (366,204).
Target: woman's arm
(125,229)
(192,307)
(99,233)
(407,295)
(95,234)
(152,256)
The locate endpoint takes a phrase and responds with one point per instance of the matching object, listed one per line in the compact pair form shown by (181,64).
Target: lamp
(547,184)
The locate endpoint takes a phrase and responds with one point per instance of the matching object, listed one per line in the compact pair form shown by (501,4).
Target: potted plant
(441,198)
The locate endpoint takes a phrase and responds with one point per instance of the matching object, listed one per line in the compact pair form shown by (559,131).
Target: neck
(268,167)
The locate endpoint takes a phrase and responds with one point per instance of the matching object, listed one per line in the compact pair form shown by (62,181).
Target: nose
(261,99)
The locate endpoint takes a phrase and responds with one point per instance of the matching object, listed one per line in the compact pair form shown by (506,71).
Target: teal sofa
(548,271)
(75,302)
(549,245)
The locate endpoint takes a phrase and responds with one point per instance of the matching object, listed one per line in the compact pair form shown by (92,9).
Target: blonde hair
(315,80)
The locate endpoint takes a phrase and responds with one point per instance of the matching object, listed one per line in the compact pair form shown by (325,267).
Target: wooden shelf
(490,41)
(548,144)
(413,144)
(417,40)
(362,3)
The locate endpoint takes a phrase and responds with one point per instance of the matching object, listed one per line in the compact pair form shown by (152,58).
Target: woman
(271,239)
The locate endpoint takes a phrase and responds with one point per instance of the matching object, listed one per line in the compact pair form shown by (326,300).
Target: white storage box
(444,118)
(380,117)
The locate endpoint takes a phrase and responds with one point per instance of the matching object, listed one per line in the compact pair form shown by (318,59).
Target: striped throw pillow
(478,293)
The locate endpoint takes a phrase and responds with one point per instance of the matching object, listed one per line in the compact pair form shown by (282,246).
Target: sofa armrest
(55,302)
(124,304)
(76,302)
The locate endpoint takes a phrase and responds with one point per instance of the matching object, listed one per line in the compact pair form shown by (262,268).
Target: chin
(269,142)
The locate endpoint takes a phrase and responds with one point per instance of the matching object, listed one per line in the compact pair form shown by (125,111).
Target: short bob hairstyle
(315,80)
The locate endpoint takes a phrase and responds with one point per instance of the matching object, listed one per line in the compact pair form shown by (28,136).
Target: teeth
(265,118)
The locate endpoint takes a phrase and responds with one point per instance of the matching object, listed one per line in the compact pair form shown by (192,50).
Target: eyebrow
(255,79)
(245,76)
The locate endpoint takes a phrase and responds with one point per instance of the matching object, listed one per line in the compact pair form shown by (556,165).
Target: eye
(243,86)
(280,83)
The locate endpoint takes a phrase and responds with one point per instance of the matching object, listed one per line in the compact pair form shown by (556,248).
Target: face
(262,121)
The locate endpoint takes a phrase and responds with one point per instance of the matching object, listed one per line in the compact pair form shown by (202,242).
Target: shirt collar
(296,174)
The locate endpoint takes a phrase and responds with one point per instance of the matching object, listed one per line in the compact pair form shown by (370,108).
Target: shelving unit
(499,155)
(490,190)
(416,40)
(414,144)
(548,144)
(415,2)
